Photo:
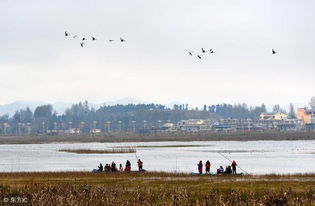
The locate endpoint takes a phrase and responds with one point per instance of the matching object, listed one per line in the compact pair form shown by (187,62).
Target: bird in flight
(111,40)
(74,36)
(190,53)
(211,51)
(66,33)
(203,51)
(122,40)
(83,39)
(93,38)
(273,51)
(199,56)
(82,43)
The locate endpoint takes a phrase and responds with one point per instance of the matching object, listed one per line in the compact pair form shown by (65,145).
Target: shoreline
(184,137)
(155,173)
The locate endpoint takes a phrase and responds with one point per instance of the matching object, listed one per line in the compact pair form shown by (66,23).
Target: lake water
(255,157)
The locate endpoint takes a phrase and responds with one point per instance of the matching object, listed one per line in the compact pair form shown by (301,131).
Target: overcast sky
(37,62)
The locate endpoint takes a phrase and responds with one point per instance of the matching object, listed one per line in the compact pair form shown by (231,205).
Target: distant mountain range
(59,107)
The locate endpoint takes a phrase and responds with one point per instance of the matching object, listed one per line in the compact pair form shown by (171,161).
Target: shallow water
(255,157)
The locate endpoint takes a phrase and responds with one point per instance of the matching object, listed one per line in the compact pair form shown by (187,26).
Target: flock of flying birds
(203,51)
(84,39)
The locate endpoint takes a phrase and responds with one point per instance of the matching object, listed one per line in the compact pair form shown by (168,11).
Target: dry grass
(81,188)
(106,151)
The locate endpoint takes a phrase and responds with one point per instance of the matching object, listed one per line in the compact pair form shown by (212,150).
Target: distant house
(221,127)
(273,116)
(74,131)
(194,125)
(308,116)
(95,131)
(168,127)
(289,125)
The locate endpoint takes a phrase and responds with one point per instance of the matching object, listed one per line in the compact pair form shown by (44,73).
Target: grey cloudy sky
(38,63)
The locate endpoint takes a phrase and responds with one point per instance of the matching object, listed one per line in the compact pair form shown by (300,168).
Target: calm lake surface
(256,157)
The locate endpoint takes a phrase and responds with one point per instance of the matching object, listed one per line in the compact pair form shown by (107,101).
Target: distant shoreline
(247,136)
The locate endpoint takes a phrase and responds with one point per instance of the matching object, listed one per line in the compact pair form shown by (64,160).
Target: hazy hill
(59,107)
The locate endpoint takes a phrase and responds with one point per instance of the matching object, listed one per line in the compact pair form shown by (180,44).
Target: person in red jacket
(128,166)
(208,165)
(200,167)
(234,167)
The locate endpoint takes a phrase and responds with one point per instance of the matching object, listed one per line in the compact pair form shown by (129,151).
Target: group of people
(230,169)
(113,168)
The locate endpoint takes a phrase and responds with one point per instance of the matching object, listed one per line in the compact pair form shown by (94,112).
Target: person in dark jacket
(100,168)
(107,168)
(140,164)
(228,170)
(113,167)
(234,167)
(200,165)
(208,165)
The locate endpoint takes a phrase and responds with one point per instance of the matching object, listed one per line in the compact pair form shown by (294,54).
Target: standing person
(200,167)
(121,168)
(107,168)
(140,164)
(128,166)
(114,169)
(208,165)
(100,168)
(234,167)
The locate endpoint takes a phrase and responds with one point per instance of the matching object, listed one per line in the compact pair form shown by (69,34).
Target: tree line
(124,117)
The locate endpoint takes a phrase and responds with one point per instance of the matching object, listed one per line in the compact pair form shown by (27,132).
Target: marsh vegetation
(81,188)
(104,151)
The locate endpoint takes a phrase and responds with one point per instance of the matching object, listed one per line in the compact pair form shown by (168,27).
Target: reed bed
(163,146)
(82,188)
(104,151)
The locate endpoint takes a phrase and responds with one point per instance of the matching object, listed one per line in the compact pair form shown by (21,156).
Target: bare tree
(292,112)
(277,108)
(312,103)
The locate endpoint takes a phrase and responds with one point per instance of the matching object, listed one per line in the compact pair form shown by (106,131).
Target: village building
(194,125)
(273,116)
(308,116)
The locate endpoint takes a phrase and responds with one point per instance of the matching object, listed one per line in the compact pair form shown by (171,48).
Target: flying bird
(74,36)
(122,40)
(203,51)
(111,40)
(93,38)
(211,51)
(66,33)
(273,51)
(199,56)
(190,53)
(83,39)
(82,43)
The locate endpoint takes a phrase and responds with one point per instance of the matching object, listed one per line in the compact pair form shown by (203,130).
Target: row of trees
(124,117)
